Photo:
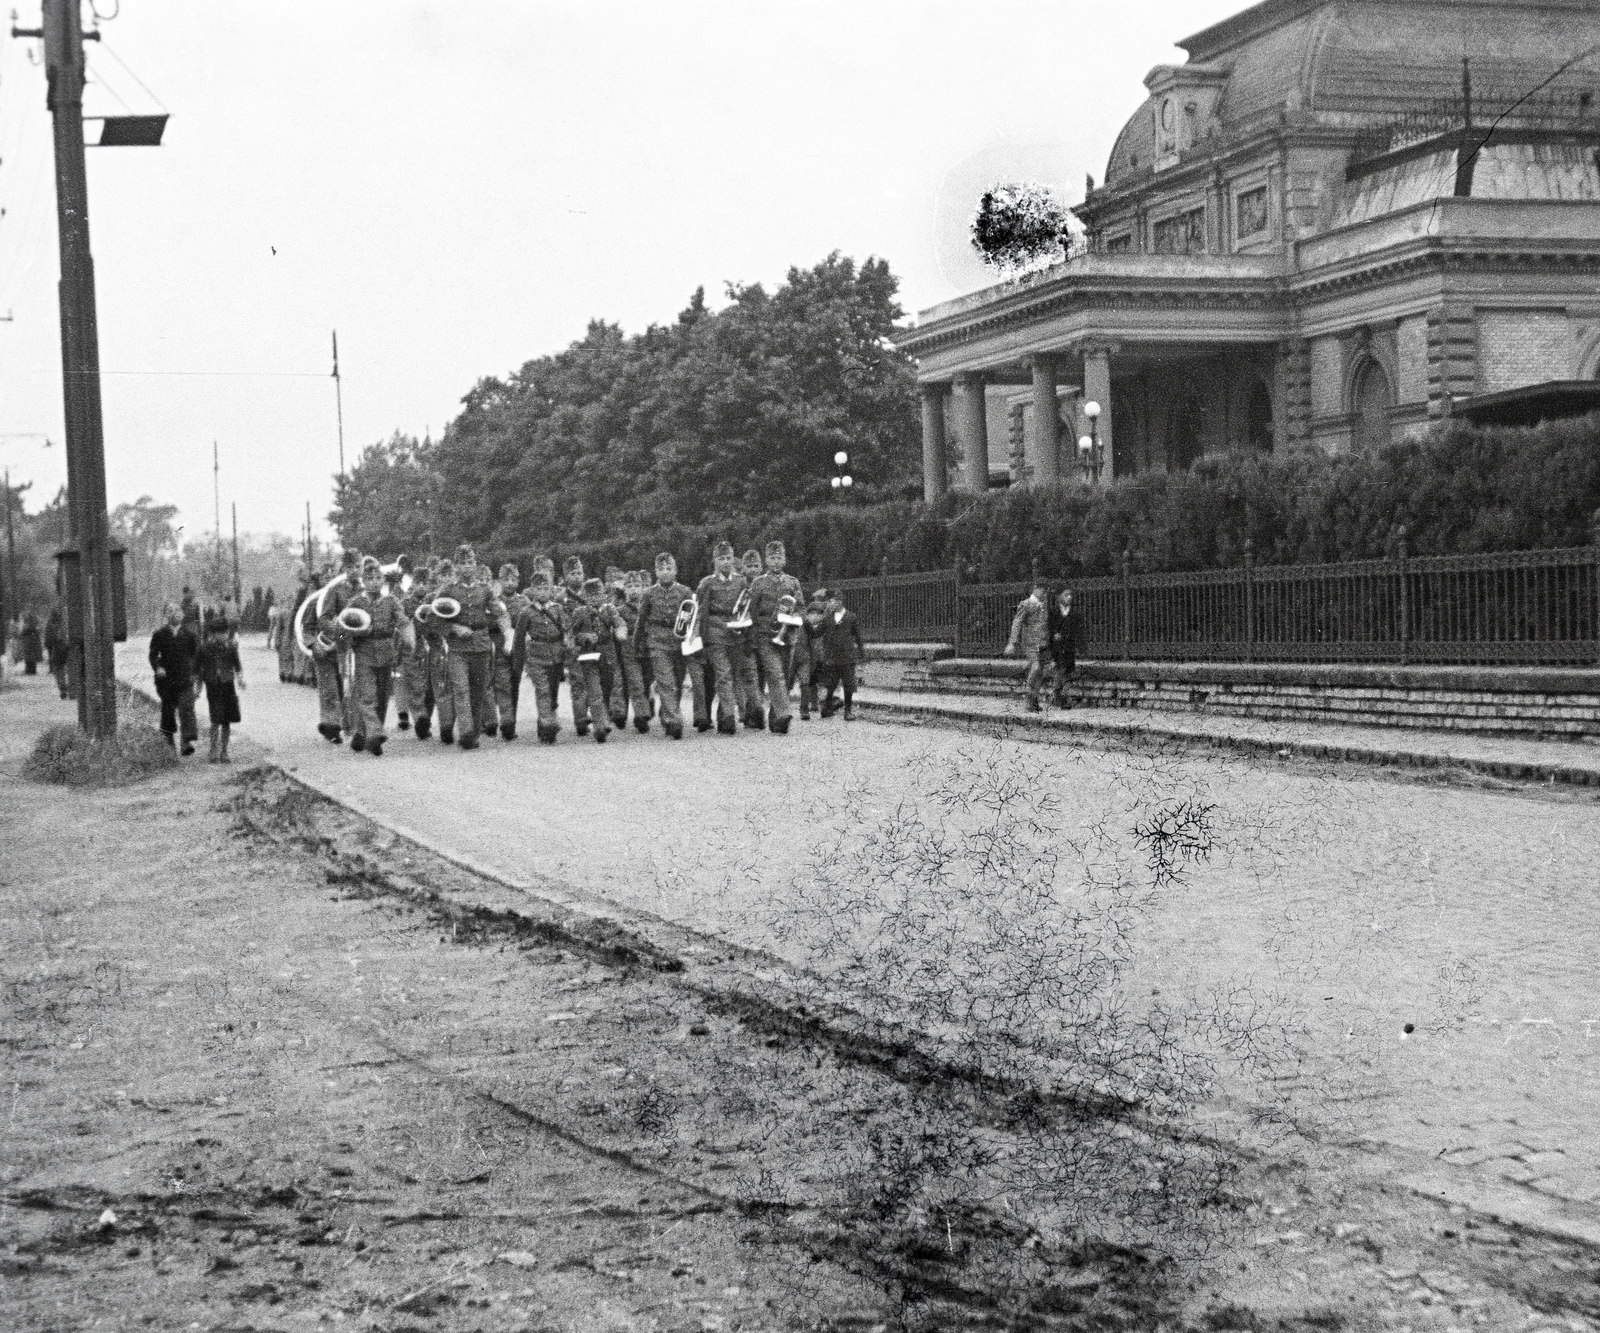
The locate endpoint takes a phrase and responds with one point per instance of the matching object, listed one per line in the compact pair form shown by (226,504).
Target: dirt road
(270,1066)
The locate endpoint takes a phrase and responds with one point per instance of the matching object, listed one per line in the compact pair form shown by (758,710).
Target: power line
(110,51)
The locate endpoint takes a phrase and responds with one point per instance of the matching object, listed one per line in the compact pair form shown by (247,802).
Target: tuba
(741,611)
(687,626)
(444,608)
(323,643)
(354,620)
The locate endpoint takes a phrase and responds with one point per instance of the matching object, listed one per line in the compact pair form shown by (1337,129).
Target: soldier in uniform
(540,646)
(331,685)
(613,680)
(747,661)
(634,660)
(717,595)
(589,626)
(505,665)
(444,573)
(656,639)
(374,657)
(468,639)
(766,595)
(416,688)
(570,598)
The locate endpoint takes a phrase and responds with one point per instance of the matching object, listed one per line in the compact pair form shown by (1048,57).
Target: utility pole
(338,399)
(10,588)
(311,546)
(216,512)
(238,592)
(89,528)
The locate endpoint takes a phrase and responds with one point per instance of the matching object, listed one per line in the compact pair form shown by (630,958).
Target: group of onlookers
(197,652)
(32,644)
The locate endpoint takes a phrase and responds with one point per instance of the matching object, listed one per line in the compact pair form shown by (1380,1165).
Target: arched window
(1258,419)
(1186,432)
(1371,407)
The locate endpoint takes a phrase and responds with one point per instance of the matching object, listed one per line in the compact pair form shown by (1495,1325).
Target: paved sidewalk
(1502,757)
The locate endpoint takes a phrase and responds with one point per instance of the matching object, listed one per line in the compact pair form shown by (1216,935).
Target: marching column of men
(451,642)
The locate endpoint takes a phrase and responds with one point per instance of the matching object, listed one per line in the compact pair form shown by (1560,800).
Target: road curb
(1386,757)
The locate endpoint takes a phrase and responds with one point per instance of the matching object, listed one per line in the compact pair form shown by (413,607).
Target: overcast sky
(457,187)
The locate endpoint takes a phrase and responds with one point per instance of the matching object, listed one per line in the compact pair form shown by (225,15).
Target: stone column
(1043,442)
(1097,389)
(935,463)
(972,429)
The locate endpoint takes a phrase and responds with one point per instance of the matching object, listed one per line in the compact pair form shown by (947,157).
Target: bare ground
(270,1066)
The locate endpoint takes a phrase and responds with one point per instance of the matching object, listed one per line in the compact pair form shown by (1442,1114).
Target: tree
(386,503)
(1018,226)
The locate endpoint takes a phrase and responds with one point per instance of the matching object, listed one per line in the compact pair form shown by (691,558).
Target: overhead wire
(127,69)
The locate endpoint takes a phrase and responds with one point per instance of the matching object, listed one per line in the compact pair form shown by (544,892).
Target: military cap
(571,565)
(664,560)
(349,559)
(541,578)
(775,548)
(614,575)
(465,552)
(509,573)
(633,578)
(444,569)
(721,549)
(370,565)
(544,562)
(592,586)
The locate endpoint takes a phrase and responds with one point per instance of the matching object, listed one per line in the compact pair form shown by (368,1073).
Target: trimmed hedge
(1458,490)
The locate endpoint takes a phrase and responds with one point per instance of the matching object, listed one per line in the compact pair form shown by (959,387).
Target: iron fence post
(883,596)
(1127,605)
(1249,600)
(955,572)
(1405,598)
(1594,591)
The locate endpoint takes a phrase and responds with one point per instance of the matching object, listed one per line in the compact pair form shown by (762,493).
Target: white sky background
(458,187)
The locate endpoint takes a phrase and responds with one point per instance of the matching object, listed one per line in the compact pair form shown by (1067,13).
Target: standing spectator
(841,648)
(1062,631)
(29,644)
(1029,633)
(173,653)
(191,611)
(220,669)
(57,650)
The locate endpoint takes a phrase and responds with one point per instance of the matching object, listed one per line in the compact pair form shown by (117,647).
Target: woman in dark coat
(1061,637)
(30,645)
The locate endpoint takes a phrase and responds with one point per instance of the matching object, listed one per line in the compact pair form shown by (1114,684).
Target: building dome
(1355,62)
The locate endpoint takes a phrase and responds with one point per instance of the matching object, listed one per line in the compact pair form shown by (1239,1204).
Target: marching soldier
(767,602)
(804,663)
(468,639)
(718,595)
(541,648)
(586,632)
(613,680)
(444,699)
(633,663)
(747,669)
(656,638)
(569,596)
(331,686)
(505,667)
(416,688)
(374,657)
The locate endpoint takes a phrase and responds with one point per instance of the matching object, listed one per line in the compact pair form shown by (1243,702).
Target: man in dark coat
(841,648)
(57,650)
(29,646)
(174,650)
(1061,629)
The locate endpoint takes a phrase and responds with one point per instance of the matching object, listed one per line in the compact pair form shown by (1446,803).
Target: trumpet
(687,626)
(741,612)
(788,619)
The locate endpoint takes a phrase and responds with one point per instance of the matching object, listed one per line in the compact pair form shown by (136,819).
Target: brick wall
(1521,347)
(1411,346)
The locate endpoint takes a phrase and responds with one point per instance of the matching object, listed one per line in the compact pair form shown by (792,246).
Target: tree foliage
(1022,224)
(718,415)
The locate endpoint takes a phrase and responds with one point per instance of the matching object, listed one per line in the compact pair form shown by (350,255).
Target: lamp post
(1090,454)
(842,480)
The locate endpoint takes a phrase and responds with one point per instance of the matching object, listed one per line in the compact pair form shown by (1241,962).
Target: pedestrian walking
(57,650)
(223,676)
(841,649)
(1061,630)
(30,644)
(1030,635)
(174,654)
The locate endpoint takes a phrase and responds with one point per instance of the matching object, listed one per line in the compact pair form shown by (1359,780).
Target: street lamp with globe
(1090,455)
(842,480)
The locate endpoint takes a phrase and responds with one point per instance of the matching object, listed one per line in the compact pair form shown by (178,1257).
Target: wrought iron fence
(1509,607)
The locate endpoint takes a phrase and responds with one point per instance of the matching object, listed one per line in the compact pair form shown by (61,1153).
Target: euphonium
(787,620)
(741,612)
(354,619)
(445,608)
(687,626)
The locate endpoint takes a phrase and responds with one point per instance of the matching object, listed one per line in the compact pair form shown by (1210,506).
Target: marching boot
(358,743)
(641,725)
(702,726)
(171,739)
(424,727)
(469,739)
(600,734)
(488,730)
(582,728)
(780,726)
(447,735)
(757,719)
(547,733)
(675,730)
(403,722)
(211,757)
(328,733)
(222,752)
(375,748)
(849,712)
(508,731)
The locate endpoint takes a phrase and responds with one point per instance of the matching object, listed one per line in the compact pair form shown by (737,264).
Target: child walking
(221,672)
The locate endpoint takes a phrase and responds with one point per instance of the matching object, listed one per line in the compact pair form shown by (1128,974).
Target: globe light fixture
(837,482)
(1090,454)
(841,458)
(1091,409)
(847,481)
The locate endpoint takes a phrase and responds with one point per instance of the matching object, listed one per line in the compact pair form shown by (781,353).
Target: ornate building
(1338,220)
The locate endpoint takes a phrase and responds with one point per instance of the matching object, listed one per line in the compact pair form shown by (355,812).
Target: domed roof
(1360,61)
